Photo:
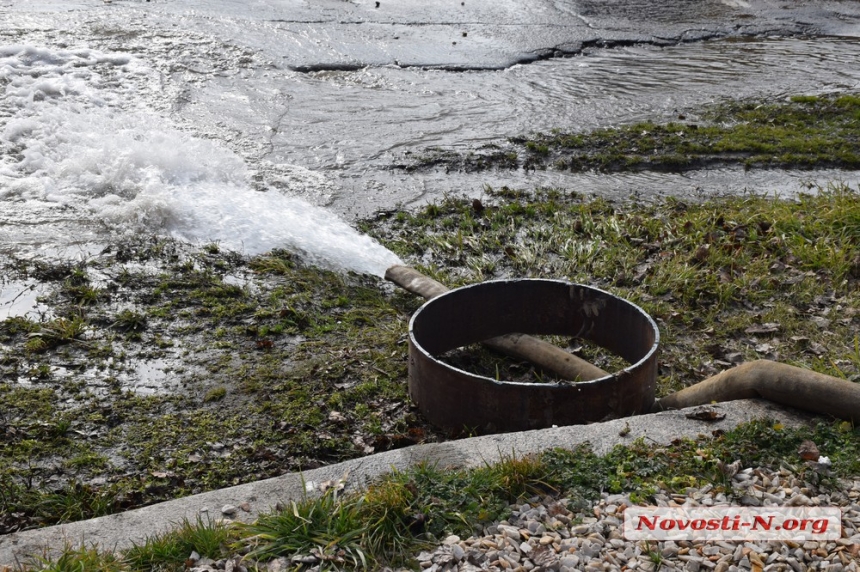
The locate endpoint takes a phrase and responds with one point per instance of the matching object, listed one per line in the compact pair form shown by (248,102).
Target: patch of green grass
(748,277)
(76,501)
(87,459)
(82,559)
(801,131)
(15,325)
(331,527)
(280,355)
(804,99)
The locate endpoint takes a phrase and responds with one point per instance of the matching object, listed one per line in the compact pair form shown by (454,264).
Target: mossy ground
(161,370)
(801,132)
(263,366)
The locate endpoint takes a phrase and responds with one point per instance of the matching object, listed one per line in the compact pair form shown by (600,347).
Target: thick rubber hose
(777,382)
(543,354)
(415,282)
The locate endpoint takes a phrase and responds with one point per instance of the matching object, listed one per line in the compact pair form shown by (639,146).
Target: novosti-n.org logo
(732,523)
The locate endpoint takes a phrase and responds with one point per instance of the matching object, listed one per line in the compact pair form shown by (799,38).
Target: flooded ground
(170,117)
(268,126)
(143,142)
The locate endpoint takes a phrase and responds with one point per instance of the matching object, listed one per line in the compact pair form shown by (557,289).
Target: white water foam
(71,134)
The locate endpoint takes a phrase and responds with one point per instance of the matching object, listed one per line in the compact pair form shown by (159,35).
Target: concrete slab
(119,531)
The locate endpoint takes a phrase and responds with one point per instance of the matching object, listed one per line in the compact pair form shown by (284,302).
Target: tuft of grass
(215,394)
(83,559)
(518,477)
(54,333)
(130,321)
(170,551)
(329,528)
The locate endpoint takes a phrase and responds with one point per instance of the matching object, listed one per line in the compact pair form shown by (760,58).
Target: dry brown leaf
(766,328)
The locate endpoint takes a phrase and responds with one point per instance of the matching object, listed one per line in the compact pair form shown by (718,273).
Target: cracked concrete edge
(119,531)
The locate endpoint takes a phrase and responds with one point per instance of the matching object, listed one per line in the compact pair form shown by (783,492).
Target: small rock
(525,547)
(808,451)
(510,531)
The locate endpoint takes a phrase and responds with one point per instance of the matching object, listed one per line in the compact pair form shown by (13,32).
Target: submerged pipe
(521,346)
(774,381)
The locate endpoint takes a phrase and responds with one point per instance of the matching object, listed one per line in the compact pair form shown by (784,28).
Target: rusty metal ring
(455,399)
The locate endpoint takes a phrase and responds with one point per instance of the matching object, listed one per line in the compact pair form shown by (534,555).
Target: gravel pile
(546,534)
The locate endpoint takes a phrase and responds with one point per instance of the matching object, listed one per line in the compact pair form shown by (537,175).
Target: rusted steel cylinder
(543,354)
(455,399)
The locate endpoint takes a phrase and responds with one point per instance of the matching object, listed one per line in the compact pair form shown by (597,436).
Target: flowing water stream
(186,123)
